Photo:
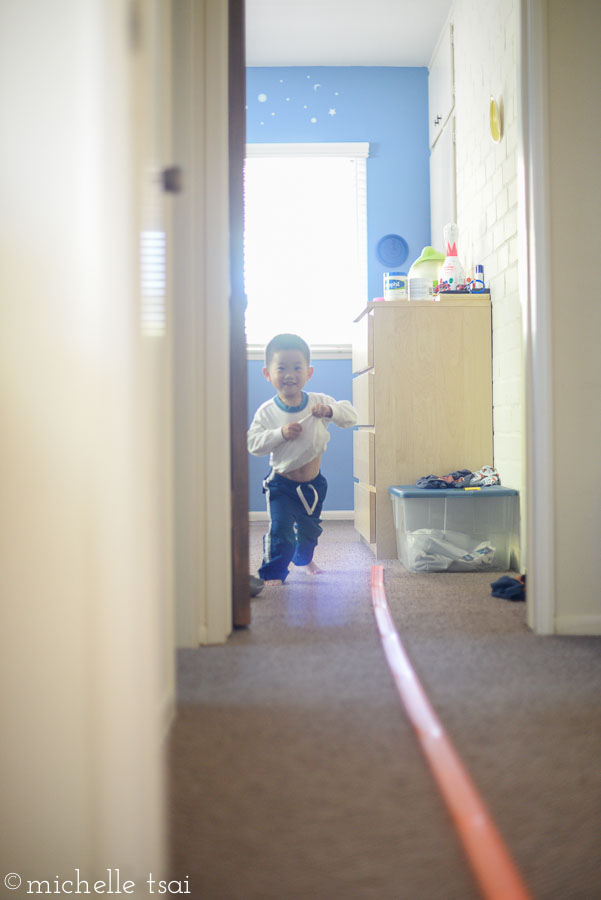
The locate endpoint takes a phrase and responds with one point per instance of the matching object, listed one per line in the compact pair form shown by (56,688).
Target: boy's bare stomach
(307,472)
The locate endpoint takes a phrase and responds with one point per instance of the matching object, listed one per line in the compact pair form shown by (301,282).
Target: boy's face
(288,372)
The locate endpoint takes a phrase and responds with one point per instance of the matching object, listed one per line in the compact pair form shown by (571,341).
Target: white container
(395,286)
(424,274)
(454,530)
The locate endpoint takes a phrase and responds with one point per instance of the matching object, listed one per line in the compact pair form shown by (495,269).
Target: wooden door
(238,362)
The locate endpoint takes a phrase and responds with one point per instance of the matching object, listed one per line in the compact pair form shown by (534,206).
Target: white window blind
(305,242)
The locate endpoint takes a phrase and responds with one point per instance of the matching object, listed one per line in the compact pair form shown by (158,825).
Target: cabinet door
(441,89)
(363,344)
(363,398)
(365,512)
(364,455)
(442,185)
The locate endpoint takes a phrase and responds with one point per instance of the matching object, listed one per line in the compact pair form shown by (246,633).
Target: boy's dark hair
(286,342)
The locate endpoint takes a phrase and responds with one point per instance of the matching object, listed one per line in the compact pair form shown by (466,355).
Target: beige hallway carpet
(294,771)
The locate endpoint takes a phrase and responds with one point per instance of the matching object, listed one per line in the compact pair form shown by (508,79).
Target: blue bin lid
(412,492)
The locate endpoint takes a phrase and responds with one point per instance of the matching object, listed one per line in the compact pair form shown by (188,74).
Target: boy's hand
(322,411)
(291,431)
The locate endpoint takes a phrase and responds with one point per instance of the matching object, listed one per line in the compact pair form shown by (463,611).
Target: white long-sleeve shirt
(265,433)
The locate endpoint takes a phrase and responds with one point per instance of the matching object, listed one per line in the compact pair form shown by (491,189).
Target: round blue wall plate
(392,250)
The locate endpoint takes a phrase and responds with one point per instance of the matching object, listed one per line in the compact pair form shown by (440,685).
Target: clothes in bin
(454,530)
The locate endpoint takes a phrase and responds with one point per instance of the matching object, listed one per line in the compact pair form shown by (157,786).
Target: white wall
(83,569)
(574,85)
(487,63)
(486,36)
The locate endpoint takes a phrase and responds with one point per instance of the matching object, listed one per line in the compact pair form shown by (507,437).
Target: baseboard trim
(583,626)
(344,514)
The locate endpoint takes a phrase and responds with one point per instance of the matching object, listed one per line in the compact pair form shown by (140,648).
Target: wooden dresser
(422,388)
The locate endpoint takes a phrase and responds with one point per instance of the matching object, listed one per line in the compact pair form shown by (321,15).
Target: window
(305,242)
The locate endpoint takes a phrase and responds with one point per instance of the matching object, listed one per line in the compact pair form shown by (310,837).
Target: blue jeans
(294,509)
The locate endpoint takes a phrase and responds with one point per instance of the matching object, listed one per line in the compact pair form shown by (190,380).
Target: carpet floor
(294,772)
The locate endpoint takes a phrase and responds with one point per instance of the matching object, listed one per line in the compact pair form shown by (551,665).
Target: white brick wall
(486,54)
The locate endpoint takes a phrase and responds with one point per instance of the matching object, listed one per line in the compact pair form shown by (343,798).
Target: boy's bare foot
(274,581)
(313,569)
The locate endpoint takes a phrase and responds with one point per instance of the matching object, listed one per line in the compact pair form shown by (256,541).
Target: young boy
(293,428)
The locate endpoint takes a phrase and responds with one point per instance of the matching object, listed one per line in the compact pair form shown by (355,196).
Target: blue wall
(388,107)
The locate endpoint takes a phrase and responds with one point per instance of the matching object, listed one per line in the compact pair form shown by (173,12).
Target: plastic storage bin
(454,530)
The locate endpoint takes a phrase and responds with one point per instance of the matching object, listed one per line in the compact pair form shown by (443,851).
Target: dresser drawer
(363,344)
(363,398)
(365,512)
(364,443)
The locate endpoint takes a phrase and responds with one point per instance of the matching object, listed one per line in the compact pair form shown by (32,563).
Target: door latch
(172,180)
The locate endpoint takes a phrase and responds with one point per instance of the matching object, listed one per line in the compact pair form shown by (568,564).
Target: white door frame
(533,167)
(201,325)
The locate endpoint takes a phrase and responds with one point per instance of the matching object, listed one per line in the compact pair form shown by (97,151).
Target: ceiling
(343,32)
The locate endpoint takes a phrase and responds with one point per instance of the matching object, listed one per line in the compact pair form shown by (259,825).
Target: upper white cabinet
(441,85)
(443,202)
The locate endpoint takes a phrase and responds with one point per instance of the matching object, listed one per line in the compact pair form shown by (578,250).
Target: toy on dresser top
(452,274)
(472,285)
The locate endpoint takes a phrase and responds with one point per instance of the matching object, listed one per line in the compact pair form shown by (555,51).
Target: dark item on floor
(256,585)
(509,588)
